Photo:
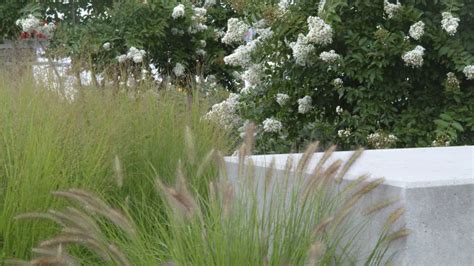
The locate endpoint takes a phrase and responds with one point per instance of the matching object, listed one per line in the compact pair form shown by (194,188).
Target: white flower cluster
(136,54)
(449,23)
(305,104)
(122,58)
(440,142)
(225,113)
(253,75)
(199,19)
(329,57)
(31,24)
(380,140)
(282,98)
(272,125)
(241,55)
(107,46)
(417,30)
(469,72)
(339,110)
(179,70)
(236,30)
(283,5)
(414,58)
(452,83)
(199,11)
(319,33)
(28,24)
(301,50)
(344,133)
(178,11)
(390,9)
(338,83)
(201,52)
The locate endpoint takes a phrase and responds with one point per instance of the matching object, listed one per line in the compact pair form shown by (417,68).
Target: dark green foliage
(379,93)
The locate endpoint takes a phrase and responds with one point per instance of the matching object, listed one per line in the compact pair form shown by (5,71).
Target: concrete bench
(436,187)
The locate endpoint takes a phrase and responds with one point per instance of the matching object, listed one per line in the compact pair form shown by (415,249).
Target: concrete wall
(435,186)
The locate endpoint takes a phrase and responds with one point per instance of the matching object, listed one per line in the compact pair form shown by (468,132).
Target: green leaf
(446,117)
(441,123)
(457,126)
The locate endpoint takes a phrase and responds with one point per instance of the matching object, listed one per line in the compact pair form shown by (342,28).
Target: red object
(40,35)
(25,35)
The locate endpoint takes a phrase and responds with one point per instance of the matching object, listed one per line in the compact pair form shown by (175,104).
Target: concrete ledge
(436,187)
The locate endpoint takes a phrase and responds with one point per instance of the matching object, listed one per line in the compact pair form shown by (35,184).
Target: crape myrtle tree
(45,11)
(374,73)
(130,41)
(173,41)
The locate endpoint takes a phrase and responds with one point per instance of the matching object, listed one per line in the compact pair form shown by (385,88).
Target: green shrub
(372,85)
(179,47)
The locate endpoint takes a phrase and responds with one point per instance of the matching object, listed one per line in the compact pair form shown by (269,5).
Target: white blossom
(107,46)
(136,54)
(452,83)
(225,113)
(329,57)
(253,75)
(338,83)
(301,50)
(417,30)
(469,71)
(241,55)
(344,133)
(339,110)
(305,104)
(178,11)
(283,4)
(381,140)
(440,142)
(264,33)
(236,30)
(414,58)
(319,32)
(390,9)
(201,52)
(282,98)
(122,58)
(199,11)
(179,70)
(28,24)
(272,125)
(449,23)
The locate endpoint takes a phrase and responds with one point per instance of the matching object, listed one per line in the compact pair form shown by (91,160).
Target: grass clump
(50,143)
(280,218)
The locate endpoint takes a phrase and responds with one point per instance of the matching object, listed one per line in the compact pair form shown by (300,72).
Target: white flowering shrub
(168,42)
(336,71)
(381,73)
